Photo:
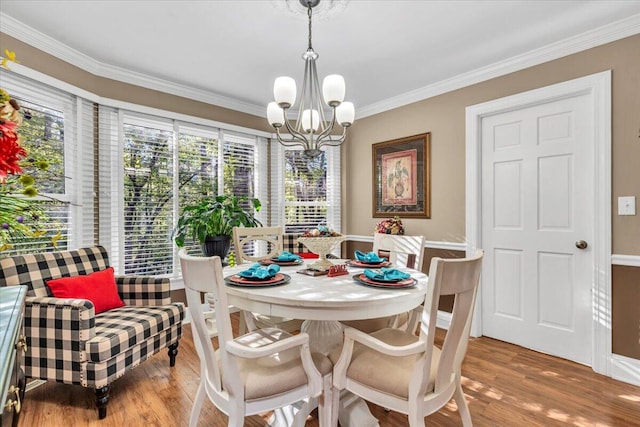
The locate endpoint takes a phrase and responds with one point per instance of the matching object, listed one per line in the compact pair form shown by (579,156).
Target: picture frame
(401,177)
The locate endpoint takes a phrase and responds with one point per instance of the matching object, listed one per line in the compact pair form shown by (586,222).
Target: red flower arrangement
(390,226)
(10,150)
(18,215)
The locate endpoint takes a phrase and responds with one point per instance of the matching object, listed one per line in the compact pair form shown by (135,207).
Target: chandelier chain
(309,15)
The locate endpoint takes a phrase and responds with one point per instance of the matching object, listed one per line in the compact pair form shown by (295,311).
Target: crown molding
(33,37)
(596,37)
(587,40)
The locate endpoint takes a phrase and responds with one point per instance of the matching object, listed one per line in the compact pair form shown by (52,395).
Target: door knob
(581,244)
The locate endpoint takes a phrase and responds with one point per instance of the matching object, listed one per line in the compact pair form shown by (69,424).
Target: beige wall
(107,88)
(444,117)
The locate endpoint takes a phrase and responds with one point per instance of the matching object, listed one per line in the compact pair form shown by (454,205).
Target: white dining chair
(402,251)
(254,373)
(253,244)
(407,373)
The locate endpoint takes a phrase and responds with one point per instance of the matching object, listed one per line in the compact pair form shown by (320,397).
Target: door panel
(537,201)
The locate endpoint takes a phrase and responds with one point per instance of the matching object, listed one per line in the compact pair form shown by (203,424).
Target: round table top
(326,298)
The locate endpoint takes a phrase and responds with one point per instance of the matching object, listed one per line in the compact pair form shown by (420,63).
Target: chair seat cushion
(279,373)
(366,364)
(122,328)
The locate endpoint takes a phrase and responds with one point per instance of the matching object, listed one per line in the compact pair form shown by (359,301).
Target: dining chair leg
(325,403)
(335,406)
(197,405)
(461,402)
(242,324)
(236,415)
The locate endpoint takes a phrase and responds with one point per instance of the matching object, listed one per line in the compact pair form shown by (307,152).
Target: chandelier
(312,130)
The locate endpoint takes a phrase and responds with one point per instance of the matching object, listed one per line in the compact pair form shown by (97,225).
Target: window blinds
(304,190)
(57,127)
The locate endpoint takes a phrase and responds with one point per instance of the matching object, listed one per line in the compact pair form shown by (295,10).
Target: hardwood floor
(505,385)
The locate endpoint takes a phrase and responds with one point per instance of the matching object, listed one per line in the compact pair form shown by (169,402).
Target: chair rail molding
(429,244)
(628,260)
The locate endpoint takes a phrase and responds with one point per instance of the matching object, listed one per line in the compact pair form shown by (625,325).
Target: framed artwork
(401,177)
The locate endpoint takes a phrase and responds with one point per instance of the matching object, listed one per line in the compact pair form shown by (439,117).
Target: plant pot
(216,245)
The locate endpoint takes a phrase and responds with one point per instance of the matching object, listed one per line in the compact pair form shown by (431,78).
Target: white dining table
(322,302)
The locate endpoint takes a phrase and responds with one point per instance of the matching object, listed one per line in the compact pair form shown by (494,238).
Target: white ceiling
(390,52)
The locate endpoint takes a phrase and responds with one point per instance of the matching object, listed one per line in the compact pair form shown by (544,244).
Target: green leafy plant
(215,216)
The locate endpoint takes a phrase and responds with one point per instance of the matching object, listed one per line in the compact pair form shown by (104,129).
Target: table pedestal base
(324,337)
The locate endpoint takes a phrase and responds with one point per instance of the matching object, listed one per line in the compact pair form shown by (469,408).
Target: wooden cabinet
(12,349)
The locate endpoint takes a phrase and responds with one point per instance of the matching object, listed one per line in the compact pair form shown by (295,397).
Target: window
(150,150)
(306,190)
(147,167)
(54,126)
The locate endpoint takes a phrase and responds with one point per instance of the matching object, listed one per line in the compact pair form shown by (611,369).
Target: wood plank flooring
(505,385)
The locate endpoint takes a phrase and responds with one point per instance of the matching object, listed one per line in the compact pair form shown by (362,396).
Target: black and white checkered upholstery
(67,342)
(290,244)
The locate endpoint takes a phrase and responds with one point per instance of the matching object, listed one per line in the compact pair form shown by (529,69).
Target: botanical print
(399,186)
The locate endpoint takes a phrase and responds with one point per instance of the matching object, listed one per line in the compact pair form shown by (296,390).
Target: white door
(537,204)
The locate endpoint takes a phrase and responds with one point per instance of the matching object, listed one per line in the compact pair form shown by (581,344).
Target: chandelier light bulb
(333,89)
(310,120)
(345,114)
(284,91)
(275,115)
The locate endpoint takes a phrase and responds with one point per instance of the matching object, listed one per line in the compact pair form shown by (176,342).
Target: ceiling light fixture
(312,131)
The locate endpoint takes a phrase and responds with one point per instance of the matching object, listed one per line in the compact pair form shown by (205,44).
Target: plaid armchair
(67,342)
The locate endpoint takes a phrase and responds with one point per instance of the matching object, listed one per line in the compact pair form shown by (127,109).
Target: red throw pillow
(99,288)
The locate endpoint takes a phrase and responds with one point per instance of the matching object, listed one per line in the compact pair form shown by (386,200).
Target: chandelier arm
(303,106)
(316,96)
(331,142)
(295,134)
(294,141)
(326,132)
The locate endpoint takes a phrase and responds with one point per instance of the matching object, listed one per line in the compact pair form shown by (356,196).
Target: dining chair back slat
(253,244)
(403,251)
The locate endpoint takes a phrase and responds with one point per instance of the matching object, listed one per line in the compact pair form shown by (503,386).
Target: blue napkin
(257,271)
(287,256)
(386,274)
(368,257)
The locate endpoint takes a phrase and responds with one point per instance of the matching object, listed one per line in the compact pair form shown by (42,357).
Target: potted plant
(211,222)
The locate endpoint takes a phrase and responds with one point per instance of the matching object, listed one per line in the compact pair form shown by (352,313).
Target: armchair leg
(173,352)
(102,398)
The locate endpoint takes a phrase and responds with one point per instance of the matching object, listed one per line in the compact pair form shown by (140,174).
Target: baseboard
(625,369)
(443,320)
